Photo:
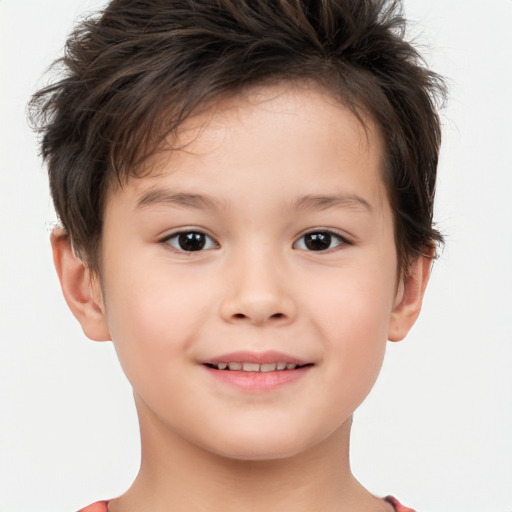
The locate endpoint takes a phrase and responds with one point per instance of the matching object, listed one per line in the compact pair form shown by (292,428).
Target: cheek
(153,317)
(357,343)
(356,301)
(351,313)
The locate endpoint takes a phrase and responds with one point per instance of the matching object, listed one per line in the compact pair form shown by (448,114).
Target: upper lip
(267,357)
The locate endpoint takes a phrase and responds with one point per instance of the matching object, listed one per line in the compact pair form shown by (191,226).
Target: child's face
(286,255)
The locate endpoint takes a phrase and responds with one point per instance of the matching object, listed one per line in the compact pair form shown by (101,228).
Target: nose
(258,293)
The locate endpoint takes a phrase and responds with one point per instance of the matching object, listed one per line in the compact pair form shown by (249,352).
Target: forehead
(299,132)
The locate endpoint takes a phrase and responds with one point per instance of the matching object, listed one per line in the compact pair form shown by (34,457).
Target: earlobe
(81,289)
(409,298)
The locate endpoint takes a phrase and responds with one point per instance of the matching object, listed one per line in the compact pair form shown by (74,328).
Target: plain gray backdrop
(437,429)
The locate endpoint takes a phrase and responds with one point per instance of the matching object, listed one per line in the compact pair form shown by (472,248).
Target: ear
(409,298)
(81,288)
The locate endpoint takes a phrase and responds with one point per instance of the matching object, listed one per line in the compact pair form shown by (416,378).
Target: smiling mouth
(255,367)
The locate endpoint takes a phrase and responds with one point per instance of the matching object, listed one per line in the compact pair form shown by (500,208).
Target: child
(246,195)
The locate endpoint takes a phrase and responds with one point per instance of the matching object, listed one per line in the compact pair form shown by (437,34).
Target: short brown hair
(138,69)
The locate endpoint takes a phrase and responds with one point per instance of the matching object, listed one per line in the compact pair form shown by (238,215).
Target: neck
(179,476)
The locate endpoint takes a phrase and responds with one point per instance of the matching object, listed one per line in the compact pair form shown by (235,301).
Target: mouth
(257,372)
(237,366)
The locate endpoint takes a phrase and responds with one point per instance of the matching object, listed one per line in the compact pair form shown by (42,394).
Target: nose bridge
(258,291)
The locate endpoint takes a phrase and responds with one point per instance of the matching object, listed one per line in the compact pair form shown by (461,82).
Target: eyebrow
(159,196)
(321,202)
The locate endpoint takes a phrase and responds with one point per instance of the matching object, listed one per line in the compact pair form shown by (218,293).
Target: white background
(437,429)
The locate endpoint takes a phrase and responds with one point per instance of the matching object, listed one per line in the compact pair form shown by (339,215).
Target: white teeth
(251,367)
(255,367)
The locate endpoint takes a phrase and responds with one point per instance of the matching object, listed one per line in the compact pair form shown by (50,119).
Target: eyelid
(344,240)
(174,234)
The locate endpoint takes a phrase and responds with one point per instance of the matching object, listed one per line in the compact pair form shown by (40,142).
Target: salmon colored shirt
(101,506)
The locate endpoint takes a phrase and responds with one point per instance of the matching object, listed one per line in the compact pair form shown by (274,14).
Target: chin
(257,453)
(263,444)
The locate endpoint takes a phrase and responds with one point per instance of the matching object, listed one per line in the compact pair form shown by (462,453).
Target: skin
(274,165)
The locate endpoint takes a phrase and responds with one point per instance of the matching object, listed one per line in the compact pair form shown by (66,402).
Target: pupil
(192,241)
(318,241)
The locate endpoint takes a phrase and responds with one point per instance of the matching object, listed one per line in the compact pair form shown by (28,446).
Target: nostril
(276,316)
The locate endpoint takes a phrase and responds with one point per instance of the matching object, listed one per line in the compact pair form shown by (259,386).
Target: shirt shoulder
(102,506)
(397,505)
(99,506)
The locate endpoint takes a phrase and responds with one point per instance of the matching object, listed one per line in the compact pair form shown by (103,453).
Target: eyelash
(209,242)
(330,234)
(206,242)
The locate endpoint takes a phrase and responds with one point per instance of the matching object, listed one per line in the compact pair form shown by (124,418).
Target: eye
(190,241)
(319,241)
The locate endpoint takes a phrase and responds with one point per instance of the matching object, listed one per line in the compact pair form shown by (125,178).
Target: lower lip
(258,381)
